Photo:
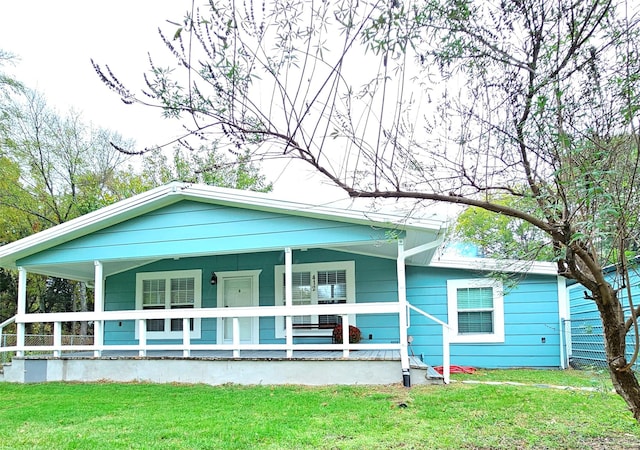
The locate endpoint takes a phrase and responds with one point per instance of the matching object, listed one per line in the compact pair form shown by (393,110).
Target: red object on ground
(456,369)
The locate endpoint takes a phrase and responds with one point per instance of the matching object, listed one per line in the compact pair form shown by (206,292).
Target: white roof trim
(496,265)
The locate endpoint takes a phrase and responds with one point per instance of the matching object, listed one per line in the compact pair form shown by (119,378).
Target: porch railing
(186,345)
(446,341)
(38,340)
(3,341)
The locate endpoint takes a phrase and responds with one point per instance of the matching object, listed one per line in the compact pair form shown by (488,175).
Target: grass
(147,416)
(596,378)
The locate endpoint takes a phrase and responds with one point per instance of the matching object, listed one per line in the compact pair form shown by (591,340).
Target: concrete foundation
(214,372)
(220,367)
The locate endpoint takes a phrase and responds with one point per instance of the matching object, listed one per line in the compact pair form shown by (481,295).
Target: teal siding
(375,282)
(531,315)
(587,338)
(120,295)
(189,227)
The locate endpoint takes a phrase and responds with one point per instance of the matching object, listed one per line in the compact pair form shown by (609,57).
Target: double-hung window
(476,310)
(316,284)
(332,289)
(180,289)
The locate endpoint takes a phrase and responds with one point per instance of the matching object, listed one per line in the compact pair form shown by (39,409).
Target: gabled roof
(418,231)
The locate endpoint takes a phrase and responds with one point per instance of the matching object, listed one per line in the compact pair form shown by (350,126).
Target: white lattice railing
(186,345)
(57,342)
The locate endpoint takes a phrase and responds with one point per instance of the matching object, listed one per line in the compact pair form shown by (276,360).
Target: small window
(169,290)
(326,283)
(332,288)
(301,295)
(182,296)
(153,297)
(476,310)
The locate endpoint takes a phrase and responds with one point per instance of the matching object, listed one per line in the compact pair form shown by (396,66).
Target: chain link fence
(587,344)
(10,340)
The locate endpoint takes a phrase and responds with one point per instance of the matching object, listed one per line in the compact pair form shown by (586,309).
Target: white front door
(237,290)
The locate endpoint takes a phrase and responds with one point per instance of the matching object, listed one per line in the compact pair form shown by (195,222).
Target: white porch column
(98,307)
(236,337)
(345,335)
(564,318)
(57,339)
(403,312)
(21,309)
(288,298)
(186,337)
(446,354)
(142,337)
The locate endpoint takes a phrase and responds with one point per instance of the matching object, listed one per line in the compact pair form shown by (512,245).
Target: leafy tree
(53,168)
(8,295)
(8,87)
(458,101)
(207,166)
(62,161)
(14,222)
(56,167)
(7,83)
(501,236)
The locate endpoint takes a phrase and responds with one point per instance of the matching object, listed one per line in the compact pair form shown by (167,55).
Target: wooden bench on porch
(311,331)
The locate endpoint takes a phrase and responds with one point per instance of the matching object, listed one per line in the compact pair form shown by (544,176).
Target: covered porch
(210,241)
(321,361)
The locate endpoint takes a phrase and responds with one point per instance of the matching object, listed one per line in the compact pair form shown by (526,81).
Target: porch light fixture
(214,279)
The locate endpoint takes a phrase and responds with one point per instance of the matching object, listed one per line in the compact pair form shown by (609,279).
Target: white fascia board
(501,265)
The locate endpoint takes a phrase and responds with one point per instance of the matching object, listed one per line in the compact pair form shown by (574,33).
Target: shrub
(354,334)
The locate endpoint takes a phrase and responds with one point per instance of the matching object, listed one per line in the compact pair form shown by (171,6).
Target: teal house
(193,283)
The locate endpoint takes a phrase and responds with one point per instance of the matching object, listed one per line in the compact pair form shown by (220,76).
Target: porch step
(420,376)
(422,373)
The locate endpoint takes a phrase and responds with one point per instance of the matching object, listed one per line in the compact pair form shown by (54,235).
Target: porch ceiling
(85,271)
(388,249)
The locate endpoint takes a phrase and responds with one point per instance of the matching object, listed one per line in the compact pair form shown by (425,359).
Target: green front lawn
(86,416)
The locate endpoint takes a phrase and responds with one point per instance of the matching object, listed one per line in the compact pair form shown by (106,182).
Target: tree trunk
(79,303)
(613,324)
(82,293)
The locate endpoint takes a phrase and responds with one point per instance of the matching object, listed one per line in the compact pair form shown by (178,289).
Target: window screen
(153,297)
(153,292)
(475,310)
(181,295)
(301,287)
(332,288)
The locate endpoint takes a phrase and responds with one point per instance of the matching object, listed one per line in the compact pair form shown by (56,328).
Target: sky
(56,40)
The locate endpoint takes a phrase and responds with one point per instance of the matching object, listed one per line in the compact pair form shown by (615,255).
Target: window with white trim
(476,310)
(316,284)
(178,289)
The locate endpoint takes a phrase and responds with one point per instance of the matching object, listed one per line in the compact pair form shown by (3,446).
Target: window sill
(477,339)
